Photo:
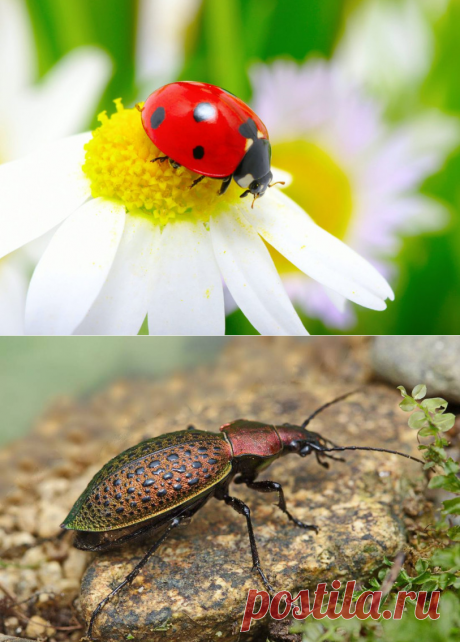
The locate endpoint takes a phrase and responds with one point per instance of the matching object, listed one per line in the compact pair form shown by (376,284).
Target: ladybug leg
(174,164)
(275,487)
(225,185)
(159,158)
(196,181)
(241,508)
(134,573)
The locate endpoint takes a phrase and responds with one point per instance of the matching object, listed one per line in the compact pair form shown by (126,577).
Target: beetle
(162,482)
(211,132)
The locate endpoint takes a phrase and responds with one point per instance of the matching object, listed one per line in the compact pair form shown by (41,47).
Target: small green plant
(440,571)
(430,420)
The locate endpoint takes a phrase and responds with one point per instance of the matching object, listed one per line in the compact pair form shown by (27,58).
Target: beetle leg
(197,180)
(225,185)
(242,509)
(132,575)
(159,158)
(275,487)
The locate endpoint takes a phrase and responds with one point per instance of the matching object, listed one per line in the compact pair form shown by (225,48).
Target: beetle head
(306,442)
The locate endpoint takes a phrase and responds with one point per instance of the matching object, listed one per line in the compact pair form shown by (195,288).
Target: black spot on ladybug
(248,129)
(173,457)
(157,117)
(162,493)
(193,481)
(204,112)
(196,464)
(148,482)
(198,152)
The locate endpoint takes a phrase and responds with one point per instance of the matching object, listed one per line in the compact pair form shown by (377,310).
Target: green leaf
(452,506)
(421,565)
(448,482)
(422,578)
(419,391)
(418,420)
(403,391)
(432,585)
(434,404)
(444,422)
(454,533)
(451,466)
(407,404)
(428,431)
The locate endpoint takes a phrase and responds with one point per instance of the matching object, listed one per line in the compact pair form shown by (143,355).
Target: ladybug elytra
(210,132)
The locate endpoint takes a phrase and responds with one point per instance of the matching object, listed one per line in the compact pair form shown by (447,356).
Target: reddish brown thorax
(289,433)
(259,439)
(252,438)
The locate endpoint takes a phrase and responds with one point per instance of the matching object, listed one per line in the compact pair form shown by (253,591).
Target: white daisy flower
(160,40)
(135,240)
(60,105)
(356,177)
(389,46)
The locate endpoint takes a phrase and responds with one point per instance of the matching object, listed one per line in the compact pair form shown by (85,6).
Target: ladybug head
(258,186)
(253,173)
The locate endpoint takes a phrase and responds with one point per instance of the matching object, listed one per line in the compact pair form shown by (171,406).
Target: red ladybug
(211,132)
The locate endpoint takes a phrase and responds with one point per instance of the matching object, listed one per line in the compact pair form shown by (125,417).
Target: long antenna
(326,405)
(381,450)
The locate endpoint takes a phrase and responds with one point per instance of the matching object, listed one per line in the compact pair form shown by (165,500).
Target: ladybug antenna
(277,183)
(256,196)
(139,107)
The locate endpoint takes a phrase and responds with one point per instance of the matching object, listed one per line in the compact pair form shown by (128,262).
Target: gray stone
(432,360)
(196,588)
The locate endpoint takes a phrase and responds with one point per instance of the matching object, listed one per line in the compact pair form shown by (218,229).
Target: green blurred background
(219,43)
(35,371)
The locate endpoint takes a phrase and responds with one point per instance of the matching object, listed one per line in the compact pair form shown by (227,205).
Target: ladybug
(211,132)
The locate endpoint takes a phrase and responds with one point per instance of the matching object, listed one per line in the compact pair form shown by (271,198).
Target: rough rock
(196,588)
(433,360)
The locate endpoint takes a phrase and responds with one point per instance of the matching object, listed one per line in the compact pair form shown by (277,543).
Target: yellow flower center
(118,164)
(319,185)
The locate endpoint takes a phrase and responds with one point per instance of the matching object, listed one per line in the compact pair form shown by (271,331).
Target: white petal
(74,268)
(40,191)
(17,57)
(13,288)
(187,296)
(121,306)
(281,175)
(292,232)
(251,276)
(64,102)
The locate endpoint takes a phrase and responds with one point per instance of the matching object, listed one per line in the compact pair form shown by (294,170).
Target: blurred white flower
(355,176)
(32,114)
(388,45)
(161,40)
(145,243)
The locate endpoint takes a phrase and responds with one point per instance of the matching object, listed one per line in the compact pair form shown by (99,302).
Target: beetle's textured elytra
(151,478)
